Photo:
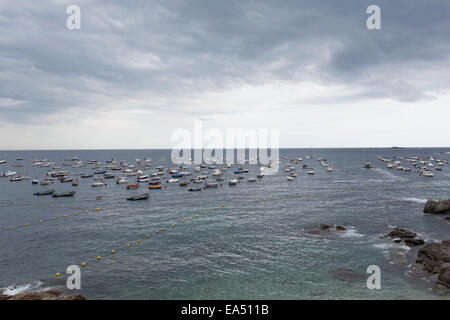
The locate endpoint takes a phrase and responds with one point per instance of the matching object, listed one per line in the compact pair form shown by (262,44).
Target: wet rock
(435,258)
(414,242)
(441,206)
(324,229)
(44,295)
(402,233)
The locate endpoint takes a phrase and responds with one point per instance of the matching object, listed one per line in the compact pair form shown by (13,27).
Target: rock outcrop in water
(408,237)
(324,229)
(439,207)
(435,258)
(43,295)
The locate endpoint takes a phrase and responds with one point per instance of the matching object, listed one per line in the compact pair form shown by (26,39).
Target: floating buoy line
(157,232)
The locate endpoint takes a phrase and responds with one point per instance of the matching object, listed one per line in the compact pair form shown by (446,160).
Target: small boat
(20,178)
(100,171)
(75,184)
(311,171)
(368,165)
(108,175)
(183,183)
(45,183)
(233,182)
(195,189)
(211,185)
(65,194)
(172,180)
(144,196)
(133,186)
(87,175)
(178,175)
(289,178)
(34,181)
(44,193)
(251,180)
(155,186)
(66,179)
(122,180)
(97,184)
(329,169)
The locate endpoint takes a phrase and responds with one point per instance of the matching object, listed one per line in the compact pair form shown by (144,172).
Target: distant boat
(289,178)
(97,184)
(211,185)
(133,186)
(311,171)
(233,182)
(368,165)
(183,183)
(195,189)
(251,180)
(44,193)
(151,187)
(139,197)
(65,194)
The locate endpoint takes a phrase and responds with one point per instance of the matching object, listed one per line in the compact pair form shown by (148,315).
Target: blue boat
(238,172)
(178,175)
(100,171)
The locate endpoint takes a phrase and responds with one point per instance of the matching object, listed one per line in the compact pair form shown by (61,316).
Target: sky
(136,71)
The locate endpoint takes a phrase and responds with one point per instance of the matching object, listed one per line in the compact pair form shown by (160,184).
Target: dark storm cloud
(173,49)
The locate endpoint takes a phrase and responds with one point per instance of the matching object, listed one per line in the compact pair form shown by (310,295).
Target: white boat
(311,171)
(233,182)
(2,161)
(173,180)
(251,180)
(428,174)
(329,169)
(97,184)
(122,180)
(289,178)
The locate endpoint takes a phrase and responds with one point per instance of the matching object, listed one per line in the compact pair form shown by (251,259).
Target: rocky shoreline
(41,295)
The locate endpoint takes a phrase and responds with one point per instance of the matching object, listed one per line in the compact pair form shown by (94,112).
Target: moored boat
(139,197)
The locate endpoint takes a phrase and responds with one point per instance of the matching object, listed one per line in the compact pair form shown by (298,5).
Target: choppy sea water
(254,247)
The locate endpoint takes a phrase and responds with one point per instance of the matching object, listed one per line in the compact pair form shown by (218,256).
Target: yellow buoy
(54,218)
(173,225)
(148,236)
(196,216)
(98,209)
(190,218)
(128,245)
(182,221)
(10,228)
(157,231)
(84,264)
(223,205)
(66,215)
(113,251)
(27,224)
(139,241)
(164,229)
(98,257)
(58,274)
(40,221)
(62,206)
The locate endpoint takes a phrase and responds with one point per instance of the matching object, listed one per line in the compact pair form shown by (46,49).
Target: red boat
(133,186)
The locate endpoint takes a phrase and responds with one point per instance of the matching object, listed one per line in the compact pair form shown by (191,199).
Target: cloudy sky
(138,70)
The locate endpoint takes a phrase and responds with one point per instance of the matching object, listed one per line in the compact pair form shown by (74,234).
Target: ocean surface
(248,241)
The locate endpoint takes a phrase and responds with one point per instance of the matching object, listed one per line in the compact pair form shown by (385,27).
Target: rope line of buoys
(159,231)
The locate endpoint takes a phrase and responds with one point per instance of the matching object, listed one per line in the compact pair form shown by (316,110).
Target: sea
(248,241)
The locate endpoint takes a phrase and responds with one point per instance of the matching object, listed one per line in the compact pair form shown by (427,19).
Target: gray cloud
(176,49)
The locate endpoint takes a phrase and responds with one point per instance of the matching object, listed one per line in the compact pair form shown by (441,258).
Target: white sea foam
(351,233)
(15,289)
(412,199)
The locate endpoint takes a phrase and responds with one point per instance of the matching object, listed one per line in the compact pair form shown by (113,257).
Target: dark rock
(441,206)
(401,233)
(44,295)
(340,228)
(325,227)
(435,258)
(447,218)
(414,242)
